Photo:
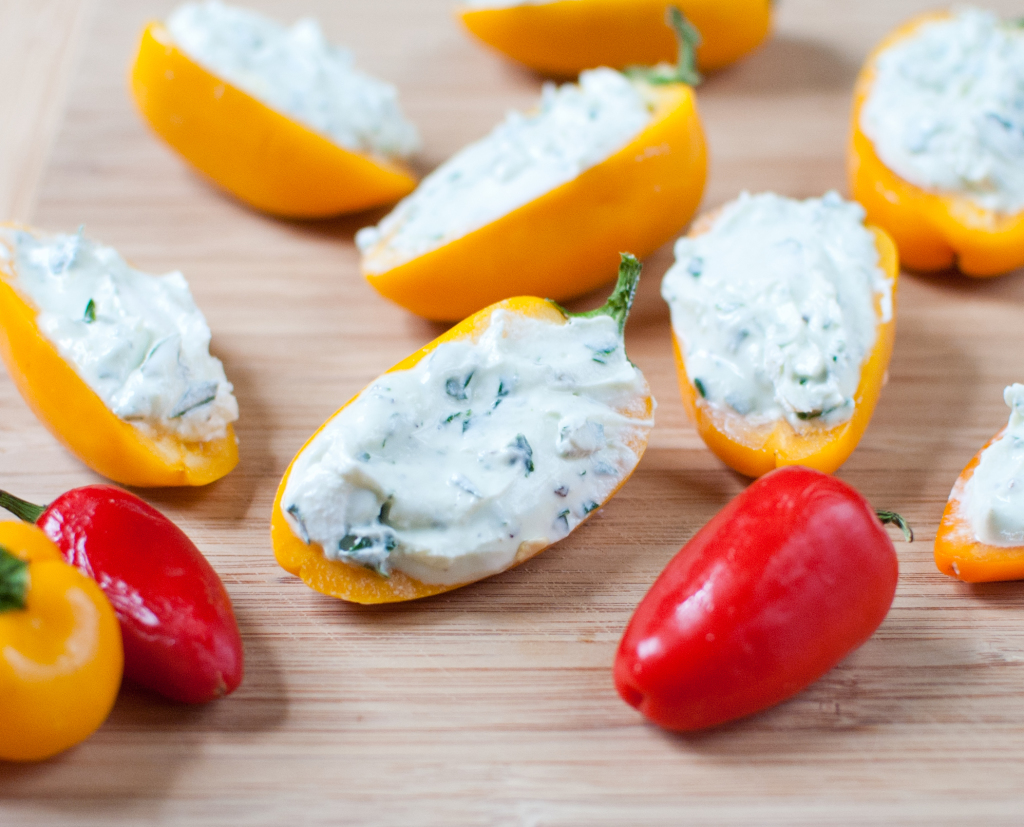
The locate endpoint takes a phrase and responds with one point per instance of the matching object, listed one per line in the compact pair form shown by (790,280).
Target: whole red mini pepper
(180,635)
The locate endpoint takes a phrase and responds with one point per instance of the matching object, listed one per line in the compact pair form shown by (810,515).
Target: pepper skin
(933,231)
(959,553)
(566,242)
(359,585)
(81,421)
(180,635)
(783,583)
(259,155)
(754,451)
(565,37)
(60,649)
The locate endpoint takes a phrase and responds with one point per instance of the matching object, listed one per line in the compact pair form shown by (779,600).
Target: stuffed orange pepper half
(783,321)
(477,452)
(115,362)
(278,117)
(981,535)
(564,37)
(937,149)
(543,205)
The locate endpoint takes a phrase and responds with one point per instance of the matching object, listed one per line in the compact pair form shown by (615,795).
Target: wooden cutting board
(494,704)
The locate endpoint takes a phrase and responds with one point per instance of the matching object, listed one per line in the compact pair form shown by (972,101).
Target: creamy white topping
(774,307)
(445,470)
(297,72)
(946,109)
(137,340)
(993,498)
(575,128)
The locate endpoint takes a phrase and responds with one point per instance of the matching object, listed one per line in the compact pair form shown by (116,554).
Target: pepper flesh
(264,158)
(757,450)
(60,655)
(564,38)
(959,553)
(933,230)
(76,415)
(359,585)
(566,242)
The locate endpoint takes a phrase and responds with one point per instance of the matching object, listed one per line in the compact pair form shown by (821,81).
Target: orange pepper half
(566,242)
(567,36)
(355,584)
(60,648)
(959,553)
(756,450)
(261,156)
(933,230)
(81,420)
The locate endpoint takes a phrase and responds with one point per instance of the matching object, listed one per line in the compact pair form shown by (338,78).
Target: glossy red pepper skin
(790,577)
(179,631)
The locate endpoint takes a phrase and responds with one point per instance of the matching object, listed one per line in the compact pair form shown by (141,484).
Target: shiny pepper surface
(60,649)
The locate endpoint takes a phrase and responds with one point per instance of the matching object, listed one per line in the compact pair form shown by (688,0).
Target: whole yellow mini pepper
(60,648)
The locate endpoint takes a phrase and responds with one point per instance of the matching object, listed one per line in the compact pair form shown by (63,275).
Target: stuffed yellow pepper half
(783,318)
(278,117)
(115,362)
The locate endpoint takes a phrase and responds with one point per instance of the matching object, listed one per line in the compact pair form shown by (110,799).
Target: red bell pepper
(180,635)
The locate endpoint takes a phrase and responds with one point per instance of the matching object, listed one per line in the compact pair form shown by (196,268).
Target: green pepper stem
(619,302)
(685,70)
(891,517)
(22,509)
(13,581)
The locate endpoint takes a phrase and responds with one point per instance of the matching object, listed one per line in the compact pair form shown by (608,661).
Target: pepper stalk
(685,70)
(618,304)
(13,581)
(22,509)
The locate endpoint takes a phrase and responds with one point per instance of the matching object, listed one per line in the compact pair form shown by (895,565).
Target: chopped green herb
(700,388)
(695,266)
(564,517)
(522,452)
(90,312)
(196,396)
(293,509)
(456,388)
(502,393)
(590,506)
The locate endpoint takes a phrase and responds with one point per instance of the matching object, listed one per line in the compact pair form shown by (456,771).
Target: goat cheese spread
(137,340)
(446,470)
(576,127)
(946,109)
(297,72)
(774,307)
(993,498)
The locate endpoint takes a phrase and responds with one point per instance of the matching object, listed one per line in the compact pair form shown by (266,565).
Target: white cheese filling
(576,127)
(774,307)
(443,471)
(137,340)
(993,498)
(946,109)
(298,73)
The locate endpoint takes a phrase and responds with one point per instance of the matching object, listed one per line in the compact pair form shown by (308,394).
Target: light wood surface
(494,704)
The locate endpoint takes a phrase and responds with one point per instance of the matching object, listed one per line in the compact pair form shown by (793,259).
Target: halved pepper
(264,158)
(76,415)
(756,450)
(566,242)
(933,230)
(346,581)
(565,37)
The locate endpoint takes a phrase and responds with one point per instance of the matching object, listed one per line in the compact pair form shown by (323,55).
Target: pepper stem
(685,70)
(22,509)
(13,581)
(891,517)
(619,302)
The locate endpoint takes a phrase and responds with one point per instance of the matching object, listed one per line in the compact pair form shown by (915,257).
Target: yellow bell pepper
(564,37)
(349,582)
(80,419)
(264,158)
(60,648)
(756,450)
(933,230)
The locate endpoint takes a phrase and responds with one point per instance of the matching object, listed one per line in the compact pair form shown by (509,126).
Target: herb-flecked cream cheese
(774,307)
(444,471)
(946,109)
(993,497)
(137,340)
(297,72)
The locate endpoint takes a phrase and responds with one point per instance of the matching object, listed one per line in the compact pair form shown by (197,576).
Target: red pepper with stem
(180,635)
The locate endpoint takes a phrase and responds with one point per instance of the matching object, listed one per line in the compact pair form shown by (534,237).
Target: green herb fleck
(196,396)
(700,388)
(502,393)
(293,509)
(590,506)
(90,312)
(564,517)
(522,453)
(456,388)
